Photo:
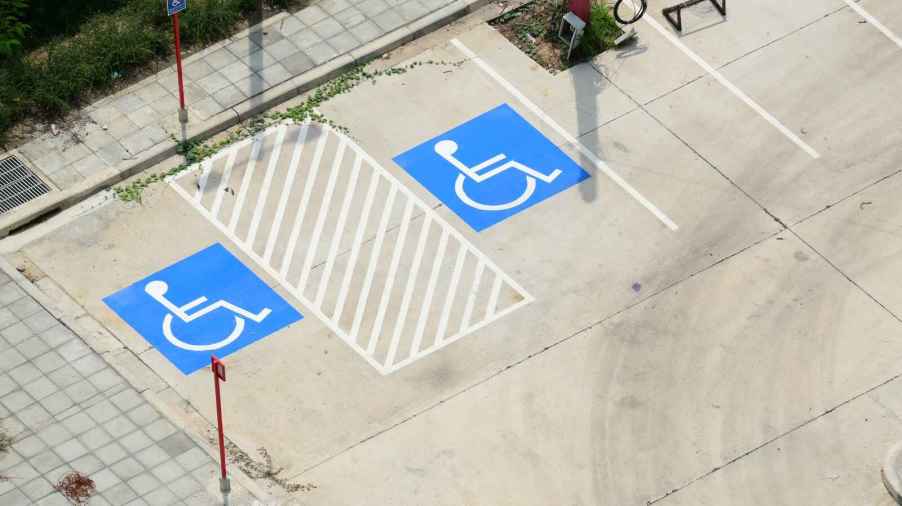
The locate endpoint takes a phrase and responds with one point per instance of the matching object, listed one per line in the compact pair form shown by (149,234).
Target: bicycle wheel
(638,11)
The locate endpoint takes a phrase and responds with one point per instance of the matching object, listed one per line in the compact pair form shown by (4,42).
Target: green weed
(195,151)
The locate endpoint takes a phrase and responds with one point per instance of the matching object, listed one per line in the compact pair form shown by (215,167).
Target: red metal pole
(215,364)
(178,59)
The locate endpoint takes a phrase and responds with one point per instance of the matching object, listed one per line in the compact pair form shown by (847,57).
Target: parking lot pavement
(703,299)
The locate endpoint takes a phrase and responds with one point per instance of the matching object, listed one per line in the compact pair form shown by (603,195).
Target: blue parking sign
(175,6)
(206,304)
(491,167)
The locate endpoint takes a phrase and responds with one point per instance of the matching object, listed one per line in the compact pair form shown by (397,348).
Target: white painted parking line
(321,194)
(223,182)
(874,22)
(789,134)
(267,183)
(256,146)
(202,182)
(283,200)
(586,152)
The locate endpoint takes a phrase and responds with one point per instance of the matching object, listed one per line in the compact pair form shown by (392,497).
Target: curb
(133,370)
(889,473)
(55,202)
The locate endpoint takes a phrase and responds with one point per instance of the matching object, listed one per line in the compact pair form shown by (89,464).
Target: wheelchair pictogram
(157,290)
(491,167)
(446,149)
(205,303)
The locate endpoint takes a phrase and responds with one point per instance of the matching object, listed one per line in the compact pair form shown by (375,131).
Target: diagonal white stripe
(355,248)
(408,291)
(390,280)
(321,217)
(305,200)
(286,191)
(267,183)
(246,182)
(430,291)
(339,231)
(371,266)
(223,183)
(452,292)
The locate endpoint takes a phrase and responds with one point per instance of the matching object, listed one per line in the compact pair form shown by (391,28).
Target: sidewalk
(221,83)
(67,409)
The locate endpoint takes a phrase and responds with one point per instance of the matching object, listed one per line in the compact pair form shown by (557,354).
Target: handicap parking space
(179,308)
(482,214)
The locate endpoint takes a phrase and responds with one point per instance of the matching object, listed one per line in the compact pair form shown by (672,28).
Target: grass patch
(105,50)
(533,28)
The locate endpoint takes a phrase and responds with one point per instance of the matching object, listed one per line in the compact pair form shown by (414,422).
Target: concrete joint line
(535,354)
(750,52)
(777,437)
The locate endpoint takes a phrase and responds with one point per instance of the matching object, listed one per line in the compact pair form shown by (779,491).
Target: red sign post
(173,7)
(183,113)
(219,374)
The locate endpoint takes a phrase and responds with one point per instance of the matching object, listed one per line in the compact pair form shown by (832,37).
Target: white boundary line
(395,188)
(789,134)
(873,21)
(600,164)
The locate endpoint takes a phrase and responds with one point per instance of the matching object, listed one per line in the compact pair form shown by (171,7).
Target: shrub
(600,32)
(108,45)
(104,39)
(207,21)
(12,28)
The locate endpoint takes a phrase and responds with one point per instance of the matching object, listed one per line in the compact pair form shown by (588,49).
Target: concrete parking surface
(711,317)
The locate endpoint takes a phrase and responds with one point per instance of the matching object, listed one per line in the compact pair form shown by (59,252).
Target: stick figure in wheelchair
(157,290)
(447,148)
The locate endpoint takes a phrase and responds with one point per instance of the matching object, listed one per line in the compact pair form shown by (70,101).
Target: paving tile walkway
(67,409)
(120,128)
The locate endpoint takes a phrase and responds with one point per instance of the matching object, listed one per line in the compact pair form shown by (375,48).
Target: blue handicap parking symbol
(206,304)
(491,167)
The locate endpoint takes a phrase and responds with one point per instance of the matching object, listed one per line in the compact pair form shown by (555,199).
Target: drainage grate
(18,184)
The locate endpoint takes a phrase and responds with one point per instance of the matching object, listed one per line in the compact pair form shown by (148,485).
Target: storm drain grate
(18,184)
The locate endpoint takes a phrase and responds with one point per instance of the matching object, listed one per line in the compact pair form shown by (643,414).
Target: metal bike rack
(677,21)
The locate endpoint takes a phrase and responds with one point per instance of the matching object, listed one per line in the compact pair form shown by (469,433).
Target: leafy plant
(108,45)
(80,48)
(12,28)
(599,34)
